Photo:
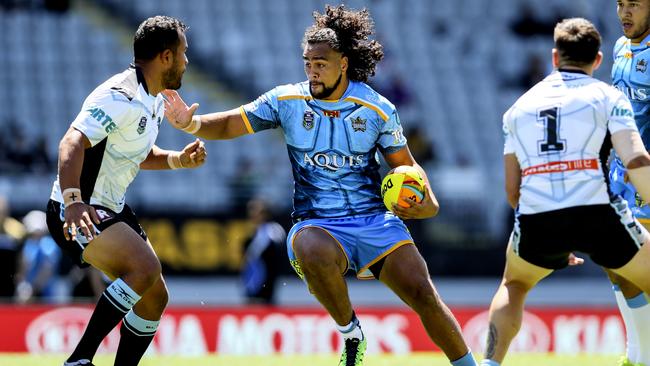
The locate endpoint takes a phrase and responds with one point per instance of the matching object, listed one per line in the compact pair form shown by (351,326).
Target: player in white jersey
(112,138)
(557,139)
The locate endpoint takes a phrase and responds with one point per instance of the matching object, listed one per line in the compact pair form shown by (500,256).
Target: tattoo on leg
(491,341)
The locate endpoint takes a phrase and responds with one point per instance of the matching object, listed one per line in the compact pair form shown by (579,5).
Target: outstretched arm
(213,126)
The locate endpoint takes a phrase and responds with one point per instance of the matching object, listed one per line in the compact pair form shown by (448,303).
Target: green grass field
(420,359)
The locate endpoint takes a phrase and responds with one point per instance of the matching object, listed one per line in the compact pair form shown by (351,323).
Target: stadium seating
(458,59)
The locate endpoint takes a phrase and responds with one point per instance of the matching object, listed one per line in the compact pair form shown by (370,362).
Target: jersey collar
(643,44)
(572,71)
(140,76)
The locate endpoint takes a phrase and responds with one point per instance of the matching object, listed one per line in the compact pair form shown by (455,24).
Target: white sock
(640,314)
(138,325)
(351,330)
(632,343)
(121,295)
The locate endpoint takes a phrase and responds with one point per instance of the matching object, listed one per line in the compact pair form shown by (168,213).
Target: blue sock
(488,362)
(467,360)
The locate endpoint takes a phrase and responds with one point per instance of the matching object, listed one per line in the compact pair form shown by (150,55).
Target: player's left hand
(177,112)
(194,154)
(421,210)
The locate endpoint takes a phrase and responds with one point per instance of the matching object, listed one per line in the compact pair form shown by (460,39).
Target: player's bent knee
(160,293)
(143,272)
(422,296)
(151,270)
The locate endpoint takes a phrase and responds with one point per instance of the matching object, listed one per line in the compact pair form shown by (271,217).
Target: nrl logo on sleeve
(308,120)
(359,124)
(142,125)
(641,65)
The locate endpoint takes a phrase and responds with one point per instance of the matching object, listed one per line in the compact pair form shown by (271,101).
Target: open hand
(80,217)
(177,112)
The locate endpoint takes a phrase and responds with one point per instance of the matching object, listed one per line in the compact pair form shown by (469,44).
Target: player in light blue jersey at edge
(334,125)
(630,74)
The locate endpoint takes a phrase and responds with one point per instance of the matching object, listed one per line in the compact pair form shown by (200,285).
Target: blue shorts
(364,239)
(640,209)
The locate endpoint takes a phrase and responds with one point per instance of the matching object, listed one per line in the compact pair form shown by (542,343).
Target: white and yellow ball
(401,183)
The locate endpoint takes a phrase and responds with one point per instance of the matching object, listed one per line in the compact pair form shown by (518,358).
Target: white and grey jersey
(560,133)
(121,120)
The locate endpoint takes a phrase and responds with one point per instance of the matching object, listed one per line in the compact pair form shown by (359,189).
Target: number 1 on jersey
(552,143)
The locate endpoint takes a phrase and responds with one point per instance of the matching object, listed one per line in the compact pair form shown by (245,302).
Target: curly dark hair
(156,34)
(347,31)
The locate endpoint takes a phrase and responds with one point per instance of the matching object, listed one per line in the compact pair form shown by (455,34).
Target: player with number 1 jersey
(571,144)
(558,136)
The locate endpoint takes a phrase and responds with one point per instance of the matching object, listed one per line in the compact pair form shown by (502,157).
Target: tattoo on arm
(491,341)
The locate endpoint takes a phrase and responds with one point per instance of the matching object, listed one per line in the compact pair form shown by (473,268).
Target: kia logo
(534,335)
(59,331)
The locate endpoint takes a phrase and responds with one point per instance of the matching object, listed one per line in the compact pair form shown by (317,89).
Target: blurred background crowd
(451,67)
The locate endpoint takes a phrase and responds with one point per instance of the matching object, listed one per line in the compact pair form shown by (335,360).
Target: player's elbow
(639,161)
(436,208)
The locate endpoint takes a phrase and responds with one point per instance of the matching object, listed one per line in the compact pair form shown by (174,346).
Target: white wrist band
(194,126)
(71,196)
(174,160)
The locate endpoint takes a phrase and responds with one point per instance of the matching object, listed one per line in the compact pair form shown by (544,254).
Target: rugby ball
(400,184)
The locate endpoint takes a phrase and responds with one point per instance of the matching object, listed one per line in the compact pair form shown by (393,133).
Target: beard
(327,91)
(172,78)
(638,34)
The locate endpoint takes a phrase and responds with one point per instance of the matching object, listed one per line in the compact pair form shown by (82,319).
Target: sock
(632,343)
(467,360)
(640,315)
(135,336)
(351,330)
(487,362)
(115,302)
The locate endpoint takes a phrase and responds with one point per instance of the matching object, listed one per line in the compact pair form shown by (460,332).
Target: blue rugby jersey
(631,75)
(332,145)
